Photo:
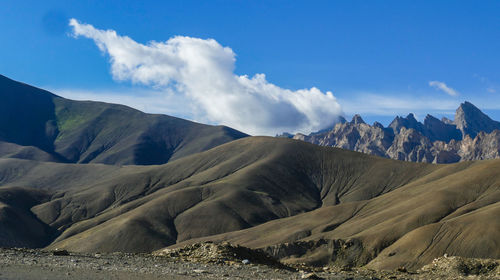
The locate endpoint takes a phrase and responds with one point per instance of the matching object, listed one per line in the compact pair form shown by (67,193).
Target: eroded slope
(261,192)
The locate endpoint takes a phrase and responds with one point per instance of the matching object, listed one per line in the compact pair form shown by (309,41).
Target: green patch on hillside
(67,120)
(70,117)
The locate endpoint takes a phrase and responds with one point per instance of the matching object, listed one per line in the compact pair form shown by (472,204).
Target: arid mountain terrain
(38,125)
(298,202)
(472,135)
(370,210)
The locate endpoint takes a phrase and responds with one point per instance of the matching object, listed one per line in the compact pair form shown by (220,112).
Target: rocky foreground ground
(211,261)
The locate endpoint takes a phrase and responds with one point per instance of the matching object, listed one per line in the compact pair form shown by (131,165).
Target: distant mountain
(471,136)
(471,121)
(36,124)
(300,202)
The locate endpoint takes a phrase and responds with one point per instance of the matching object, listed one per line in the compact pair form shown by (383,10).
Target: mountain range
(472,135)
(96,177)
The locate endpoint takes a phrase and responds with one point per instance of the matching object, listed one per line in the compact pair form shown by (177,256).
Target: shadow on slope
(57,129)
(452,210)
(261,192)
(19,227)
(235,186)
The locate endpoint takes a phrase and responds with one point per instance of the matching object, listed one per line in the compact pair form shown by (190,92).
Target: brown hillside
(261,192)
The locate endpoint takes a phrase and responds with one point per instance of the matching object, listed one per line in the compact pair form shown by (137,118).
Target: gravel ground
(27,264)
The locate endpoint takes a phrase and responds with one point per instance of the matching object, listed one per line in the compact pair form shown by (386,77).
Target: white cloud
(442,86)
(202,71)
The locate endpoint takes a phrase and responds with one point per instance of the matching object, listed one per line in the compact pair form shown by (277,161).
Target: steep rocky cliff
(472,135)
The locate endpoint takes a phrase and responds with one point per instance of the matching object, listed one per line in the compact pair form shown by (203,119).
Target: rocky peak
(472,136)
(439,130)
(430,119)
(357,119)
(339,120)
(466,112)
(300,136)
(284,135)
(379,125)
(408,122)
(446,120)
(470,120)
(411,118)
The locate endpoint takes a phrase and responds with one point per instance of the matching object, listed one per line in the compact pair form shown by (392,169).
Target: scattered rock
(402,269)
(58,252)
(310,276)
(223,253)
(334,252)
(458,266)
(18,264)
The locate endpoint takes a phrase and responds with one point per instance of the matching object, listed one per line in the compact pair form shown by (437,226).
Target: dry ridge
(298,202)
(38,125)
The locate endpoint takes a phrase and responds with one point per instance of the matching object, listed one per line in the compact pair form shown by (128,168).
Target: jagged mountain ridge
(472,135)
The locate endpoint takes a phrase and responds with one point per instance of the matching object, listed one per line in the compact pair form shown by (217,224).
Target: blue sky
(377,58)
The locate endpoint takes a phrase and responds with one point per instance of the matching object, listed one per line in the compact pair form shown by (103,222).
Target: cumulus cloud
(442,86)
(202,71)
